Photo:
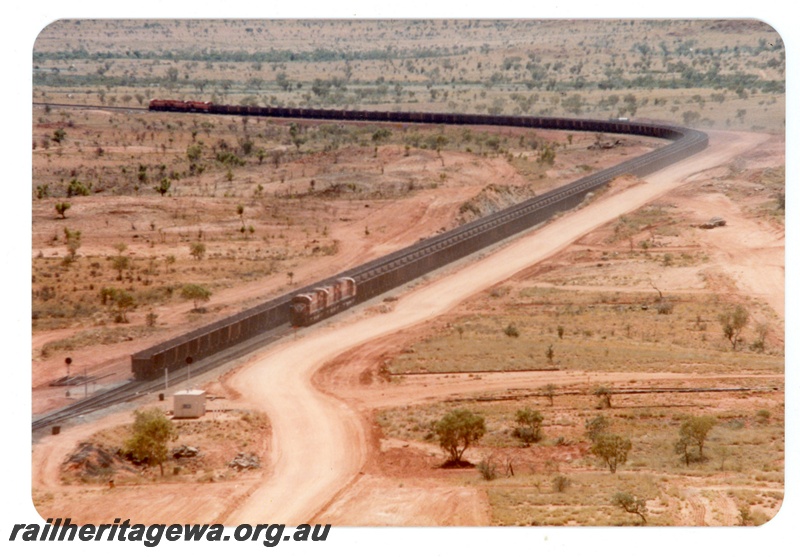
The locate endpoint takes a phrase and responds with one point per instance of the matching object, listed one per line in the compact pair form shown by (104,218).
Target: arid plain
(628,293)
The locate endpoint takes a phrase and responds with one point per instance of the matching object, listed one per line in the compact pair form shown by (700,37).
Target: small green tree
(163,186)
(296,134)
(487,469)
(596,427)
(549,391)
(529,426)
(631,504)
(282,80)
(457,430)
(124,302)
(611,449)
(194,151)
(61,208)
(122,299)
(603,393)
(547,155)
(561,483)
(120,263)
(151,433)
(733,323)
(73,241)
(691,117)
(198,250)
(760,344)
(76,188)
(694,433)
(195,293)
(106,294)
(240,212)
(438,142)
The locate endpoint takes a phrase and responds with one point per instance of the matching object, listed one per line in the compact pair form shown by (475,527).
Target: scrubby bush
(611,449)
(561,483)
(487,469)
(529,428)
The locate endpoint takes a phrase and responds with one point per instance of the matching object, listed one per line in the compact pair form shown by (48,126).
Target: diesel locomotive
(310,307)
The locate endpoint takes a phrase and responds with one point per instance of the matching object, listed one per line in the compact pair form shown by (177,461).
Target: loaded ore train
(180,106)
(326,297)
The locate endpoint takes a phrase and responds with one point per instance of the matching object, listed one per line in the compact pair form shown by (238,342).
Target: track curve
(388,272)
(233,334)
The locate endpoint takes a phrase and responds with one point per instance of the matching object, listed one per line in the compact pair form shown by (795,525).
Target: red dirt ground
(322,442)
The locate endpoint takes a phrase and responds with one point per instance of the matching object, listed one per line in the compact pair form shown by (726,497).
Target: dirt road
(318,441)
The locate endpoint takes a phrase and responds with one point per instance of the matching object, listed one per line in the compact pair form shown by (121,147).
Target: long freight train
(371,279)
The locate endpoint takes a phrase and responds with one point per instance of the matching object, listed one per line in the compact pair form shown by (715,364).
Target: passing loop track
(388,272)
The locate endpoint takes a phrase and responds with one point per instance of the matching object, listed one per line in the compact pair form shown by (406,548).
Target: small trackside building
(189,404)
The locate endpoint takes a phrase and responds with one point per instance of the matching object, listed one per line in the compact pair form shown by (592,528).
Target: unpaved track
(318,443)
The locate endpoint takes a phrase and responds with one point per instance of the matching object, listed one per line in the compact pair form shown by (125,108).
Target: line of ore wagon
(376,277)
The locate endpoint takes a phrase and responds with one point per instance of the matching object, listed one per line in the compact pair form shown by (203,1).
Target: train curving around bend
(320,300)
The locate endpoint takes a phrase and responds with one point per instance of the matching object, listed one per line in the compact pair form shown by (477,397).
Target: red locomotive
(179,106)
(310,307)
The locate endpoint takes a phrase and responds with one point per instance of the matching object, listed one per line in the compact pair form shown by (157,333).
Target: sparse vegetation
(457,431)
(549,391)
(631,504)
(595,427)
(61,208)
(529,426)
(603,394)
(163,186)
(561,483)
(152,431)
(693,434)
(196,293)
(715,74)
(120,263)
(198,250)
(733,323)
(612,449)
(487,469)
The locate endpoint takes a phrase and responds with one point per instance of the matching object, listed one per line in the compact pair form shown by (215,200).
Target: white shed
(189,404)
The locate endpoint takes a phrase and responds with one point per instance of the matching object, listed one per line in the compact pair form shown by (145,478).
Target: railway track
(228,338)
(98,401)
(134,389)
(91,107)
